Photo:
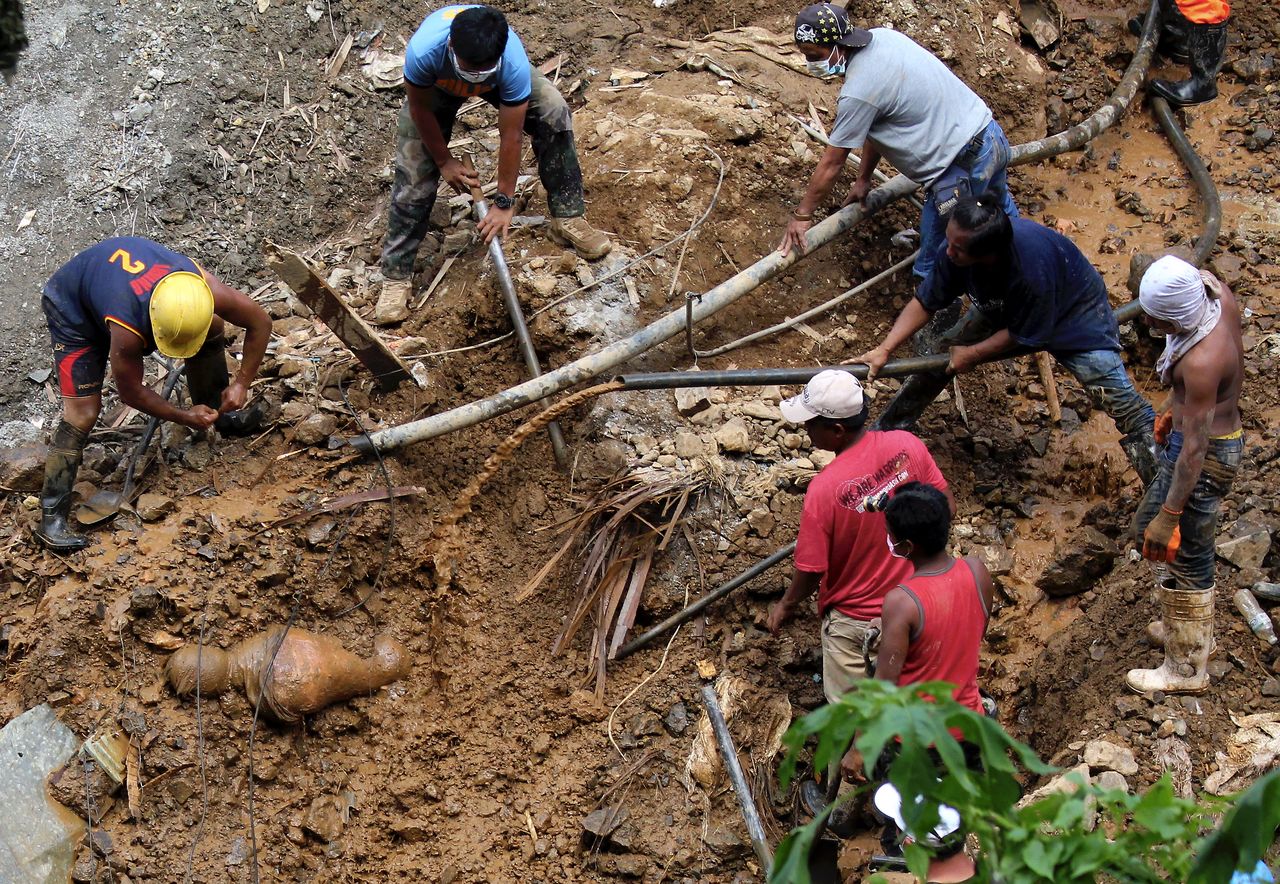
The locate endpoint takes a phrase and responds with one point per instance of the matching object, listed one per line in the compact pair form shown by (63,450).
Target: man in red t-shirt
(841,551)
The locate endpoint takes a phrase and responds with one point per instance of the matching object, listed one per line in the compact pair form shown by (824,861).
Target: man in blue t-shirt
(460,52)
(1032,289)
(117,301)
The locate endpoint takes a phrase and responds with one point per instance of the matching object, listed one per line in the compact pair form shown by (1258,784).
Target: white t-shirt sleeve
(854,118)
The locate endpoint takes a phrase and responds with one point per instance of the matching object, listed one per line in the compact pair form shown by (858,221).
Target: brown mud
(483,763)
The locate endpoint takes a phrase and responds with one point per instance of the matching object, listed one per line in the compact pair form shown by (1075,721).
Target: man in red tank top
(932,623)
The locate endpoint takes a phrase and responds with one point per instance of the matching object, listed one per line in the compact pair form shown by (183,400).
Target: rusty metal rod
(686,614)
(729,754)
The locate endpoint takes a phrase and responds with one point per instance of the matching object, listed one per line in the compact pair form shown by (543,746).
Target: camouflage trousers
(417,178)
(13,36)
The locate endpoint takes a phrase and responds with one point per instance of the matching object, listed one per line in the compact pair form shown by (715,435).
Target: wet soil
(483,763)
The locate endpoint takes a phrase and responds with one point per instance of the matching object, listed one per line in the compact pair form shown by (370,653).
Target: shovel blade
(99,508)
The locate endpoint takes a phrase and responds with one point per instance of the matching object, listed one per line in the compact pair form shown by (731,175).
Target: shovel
(105,505)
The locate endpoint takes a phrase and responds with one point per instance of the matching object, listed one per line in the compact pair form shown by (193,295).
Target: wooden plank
(359,337)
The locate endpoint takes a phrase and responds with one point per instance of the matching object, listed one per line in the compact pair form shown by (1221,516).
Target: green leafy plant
(1152,837)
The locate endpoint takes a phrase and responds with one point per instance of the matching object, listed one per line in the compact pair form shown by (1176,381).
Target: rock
(1254,68)
(690,445)
(413,346)
(324,817)
(1105,755)
(22,467)
(316,429)
(1248,544)
(239,852)
(722,840)
(144,601)
(999,560)
(677,720)
(37,838)
(1271,687)
(153,507)
(761,521)
(820,458)
(1089,555)
(544,285)
(691,400)
(762,411)
(602,823)
(1037,22)
(198,456)
(411,830)
(1109,779)
(733,436)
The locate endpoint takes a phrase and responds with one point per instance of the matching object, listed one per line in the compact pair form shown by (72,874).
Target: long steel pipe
(596,364)
(523,338)
(729,754)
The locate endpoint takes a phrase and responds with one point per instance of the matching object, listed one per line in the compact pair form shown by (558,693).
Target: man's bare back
(1215,362)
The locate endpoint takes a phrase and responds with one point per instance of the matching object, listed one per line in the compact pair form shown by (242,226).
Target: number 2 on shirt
(126,262)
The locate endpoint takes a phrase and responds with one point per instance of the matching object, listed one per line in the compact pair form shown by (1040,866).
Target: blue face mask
(828,68)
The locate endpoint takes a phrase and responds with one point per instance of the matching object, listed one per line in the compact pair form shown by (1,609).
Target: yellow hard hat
(181,313)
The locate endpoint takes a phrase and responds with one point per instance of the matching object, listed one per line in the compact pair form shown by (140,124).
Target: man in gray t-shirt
(900,102)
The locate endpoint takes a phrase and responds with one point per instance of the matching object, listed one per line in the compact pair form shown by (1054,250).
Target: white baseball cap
(831,393)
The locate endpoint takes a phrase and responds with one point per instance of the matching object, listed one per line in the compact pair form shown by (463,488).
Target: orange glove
(1162,538)
(1164,423)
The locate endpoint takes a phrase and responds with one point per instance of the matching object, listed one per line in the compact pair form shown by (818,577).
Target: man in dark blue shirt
(1032,289)
(117,301)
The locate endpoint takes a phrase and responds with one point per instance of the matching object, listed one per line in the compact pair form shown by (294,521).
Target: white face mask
(893,549)
(472,76)
(828,68)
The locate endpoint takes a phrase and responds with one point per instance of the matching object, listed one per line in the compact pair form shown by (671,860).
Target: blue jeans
(969,174)
(1104,378)
(1192,567)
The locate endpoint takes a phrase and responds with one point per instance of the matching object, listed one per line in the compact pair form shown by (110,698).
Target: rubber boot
(207,377)
(1173,33)
(1140,449)
(1207,46)
(1188,637)
(946,327)
(60,468)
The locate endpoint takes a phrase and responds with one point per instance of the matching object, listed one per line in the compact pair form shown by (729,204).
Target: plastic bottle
(1258,619)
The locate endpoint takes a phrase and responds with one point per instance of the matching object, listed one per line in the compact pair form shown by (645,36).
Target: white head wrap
(1174,290)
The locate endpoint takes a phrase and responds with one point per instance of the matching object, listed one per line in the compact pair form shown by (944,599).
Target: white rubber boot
(1188,639)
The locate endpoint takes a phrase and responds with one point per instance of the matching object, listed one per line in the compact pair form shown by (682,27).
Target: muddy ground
(218,128)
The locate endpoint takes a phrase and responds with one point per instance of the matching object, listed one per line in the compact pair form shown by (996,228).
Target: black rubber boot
(1173,33)
(1207,46)
(945,328)
(207,377)
(60,468)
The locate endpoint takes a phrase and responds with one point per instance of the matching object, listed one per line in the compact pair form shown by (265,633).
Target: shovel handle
(170,384)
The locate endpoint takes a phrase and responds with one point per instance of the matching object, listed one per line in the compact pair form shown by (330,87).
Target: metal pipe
(764,377)
(729,754)
(523,338)
(1104,117)
(687,614)
(596,364)
(1199,175)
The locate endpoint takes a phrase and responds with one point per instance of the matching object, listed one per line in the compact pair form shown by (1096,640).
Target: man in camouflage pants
(460,52)
(13,36)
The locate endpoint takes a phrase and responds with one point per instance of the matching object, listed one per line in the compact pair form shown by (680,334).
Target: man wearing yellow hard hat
(120,300)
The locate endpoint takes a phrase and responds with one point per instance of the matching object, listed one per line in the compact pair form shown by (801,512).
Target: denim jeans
(975,173)
(1104,378)
(1192,567)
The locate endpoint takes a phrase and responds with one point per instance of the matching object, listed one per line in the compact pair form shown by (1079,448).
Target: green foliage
(1153,837)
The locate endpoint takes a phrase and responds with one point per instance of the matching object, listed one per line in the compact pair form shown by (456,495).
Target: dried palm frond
(619,531)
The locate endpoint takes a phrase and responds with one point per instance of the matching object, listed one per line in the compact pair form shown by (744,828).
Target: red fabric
(946,648)
(66,367)
(843,542)
(1205,12)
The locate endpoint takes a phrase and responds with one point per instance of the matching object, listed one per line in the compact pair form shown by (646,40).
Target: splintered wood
(387,368)
(620,531)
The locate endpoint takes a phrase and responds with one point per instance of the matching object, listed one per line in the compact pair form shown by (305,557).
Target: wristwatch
(502,201)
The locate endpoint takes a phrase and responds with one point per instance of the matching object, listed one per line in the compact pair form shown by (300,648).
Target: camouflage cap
(823,24)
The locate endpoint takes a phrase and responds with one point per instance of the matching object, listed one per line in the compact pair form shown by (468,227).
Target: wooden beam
(359,337)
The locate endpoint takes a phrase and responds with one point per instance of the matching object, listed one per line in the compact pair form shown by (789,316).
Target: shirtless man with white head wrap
(1203,361)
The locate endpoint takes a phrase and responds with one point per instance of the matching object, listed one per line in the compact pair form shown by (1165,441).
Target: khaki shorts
(843,663)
